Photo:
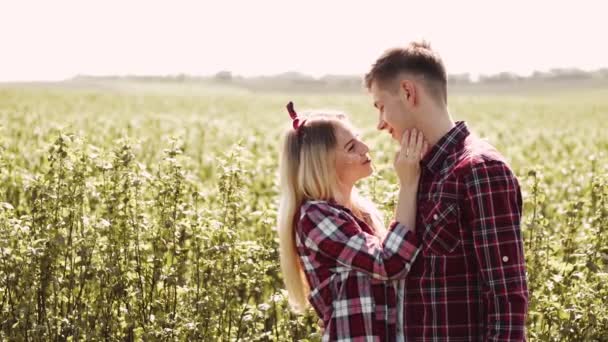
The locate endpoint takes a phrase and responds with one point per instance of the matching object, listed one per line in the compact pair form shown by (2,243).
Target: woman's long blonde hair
(307,172)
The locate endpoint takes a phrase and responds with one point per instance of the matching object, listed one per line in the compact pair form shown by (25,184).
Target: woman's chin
(370,171)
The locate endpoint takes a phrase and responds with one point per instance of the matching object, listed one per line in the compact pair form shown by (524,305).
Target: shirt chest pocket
(440,223)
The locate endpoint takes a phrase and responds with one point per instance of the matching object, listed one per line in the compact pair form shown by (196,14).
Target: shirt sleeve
(335,236)
(494,206)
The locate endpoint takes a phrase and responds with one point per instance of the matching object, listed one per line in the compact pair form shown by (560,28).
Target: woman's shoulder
(322,207)
(320,213)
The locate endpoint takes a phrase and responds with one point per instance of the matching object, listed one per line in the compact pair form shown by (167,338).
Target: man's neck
(435,124)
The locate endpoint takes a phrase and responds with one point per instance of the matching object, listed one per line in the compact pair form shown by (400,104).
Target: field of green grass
(133,211)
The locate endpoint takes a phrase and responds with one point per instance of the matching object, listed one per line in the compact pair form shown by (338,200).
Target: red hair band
(294,116)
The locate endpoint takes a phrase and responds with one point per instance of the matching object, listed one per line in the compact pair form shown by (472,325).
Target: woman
(335,253)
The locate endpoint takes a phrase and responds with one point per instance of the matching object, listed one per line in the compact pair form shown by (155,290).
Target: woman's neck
(344,195)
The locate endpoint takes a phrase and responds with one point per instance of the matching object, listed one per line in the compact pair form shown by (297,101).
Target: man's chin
(397,137)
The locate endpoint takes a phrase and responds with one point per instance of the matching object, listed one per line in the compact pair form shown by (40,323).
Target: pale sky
(53,40)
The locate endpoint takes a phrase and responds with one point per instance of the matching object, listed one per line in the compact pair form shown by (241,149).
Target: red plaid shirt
(469,281)
(349,271)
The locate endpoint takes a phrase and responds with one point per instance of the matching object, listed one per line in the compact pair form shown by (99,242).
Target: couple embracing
(449,266)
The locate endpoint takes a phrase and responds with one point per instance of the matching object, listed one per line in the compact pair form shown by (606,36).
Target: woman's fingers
(412,142)
(407,160)
(408,148)
(405,138)
(413,145)
(425,149)
(416,146)
(419,142)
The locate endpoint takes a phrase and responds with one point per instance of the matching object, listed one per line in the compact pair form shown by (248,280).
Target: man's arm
(494,208)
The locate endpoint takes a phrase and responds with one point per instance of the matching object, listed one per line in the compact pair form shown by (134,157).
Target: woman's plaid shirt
(350,269)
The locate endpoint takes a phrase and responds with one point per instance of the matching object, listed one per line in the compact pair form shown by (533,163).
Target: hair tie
(294,116)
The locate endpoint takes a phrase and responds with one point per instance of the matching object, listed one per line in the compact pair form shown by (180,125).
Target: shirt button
(505,258)
(435,217)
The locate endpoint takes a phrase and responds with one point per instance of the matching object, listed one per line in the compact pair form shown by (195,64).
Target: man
(468,282)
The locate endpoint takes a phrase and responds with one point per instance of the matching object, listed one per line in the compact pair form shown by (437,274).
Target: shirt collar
(436,156)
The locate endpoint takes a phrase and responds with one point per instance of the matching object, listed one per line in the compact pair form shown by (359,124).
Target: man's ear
(409,92)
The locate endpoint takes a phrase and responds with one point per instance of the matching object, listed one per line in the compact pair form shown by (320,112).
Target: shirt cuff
(409,246)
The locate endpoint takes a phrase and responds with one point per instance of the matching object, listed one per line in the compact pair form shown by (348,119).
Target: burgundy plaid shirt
(350,271)
(469,281)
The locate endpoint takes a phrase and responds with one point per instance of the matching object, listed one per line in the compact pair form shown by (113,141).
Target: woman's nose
(381,125)
(365,149)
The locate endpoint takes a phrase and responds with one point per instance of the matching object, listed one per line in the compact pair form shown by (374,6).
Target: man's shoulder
(477,153)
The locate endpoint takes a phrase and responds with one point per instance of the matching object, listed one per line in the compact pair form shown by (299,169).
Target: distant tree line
(552,74)
(296,80)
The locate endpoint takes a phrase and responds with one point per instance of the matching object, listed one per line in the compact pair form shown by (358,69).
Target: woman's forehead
(344,132)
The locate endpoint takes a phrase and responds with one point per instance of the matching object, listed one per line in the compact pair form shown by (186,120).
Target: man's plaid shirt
(469,280)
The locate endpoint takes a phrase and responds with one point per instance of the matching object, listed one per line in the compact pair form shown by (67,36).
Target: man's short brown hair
(417,59)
